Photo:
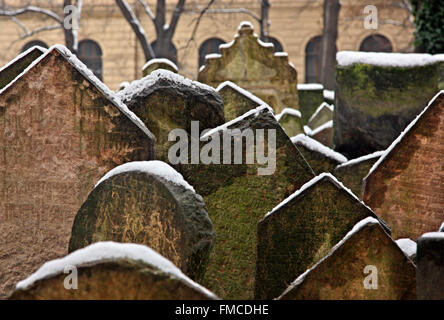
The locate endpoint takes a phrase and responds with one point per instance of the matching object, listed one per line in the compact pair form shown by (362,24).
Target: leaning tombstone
(323,133)
(149,203)
(404,187)
(62,129)
(311,96)
(365,265)
(159,63)
(322,115)
(290,120)
(377,96)
(254,66)
(301,230)
(110,271)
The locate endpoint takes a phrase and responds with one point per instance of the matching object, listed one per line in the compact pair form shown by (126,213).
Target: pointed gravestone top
(322,115)
(290,120)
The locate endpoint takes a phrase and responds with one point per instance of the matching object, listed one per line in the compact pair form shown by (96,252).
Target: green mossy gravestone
(311,96)
(321,158)
(302,230)
(406,186)
(377,96)
(253,65)
(352,172)
(322,115)
(110,271)
(365,265)
(290,120)
(159,63)
(148,203)
(237,101)
(237,197)
(165,101)
(440,59)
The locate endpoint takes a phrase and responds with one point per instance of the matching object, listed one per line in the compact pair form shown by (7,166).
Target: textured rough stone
(290,120)
(165,101)
(59,133)
(323,134)
(237,198)
(351,173)
(322,115)
(374,104)
(309,100)
(254,66)
(111,271)
(302,230)
(341,274)
(406,186)
(155,64)
(441,71)
(145,208)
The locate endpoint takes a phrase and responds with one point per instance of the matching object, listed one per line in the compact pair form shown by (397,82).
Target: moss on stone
(309,101)
(318,161)
(291,124)
(235,103)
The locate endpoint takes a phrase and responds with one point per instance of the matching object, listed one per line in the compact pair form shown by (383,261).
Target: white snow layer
(110,251)
(213,56)
(21,55)
(155,167)
(329,95)
(434,235)
(319,109)
(348,58)
(408,246)
(245,24)
(242,91)
(290,111)
(441,229)
(310,86)
(309,132)
(316,146)
(160,60)
(374,155)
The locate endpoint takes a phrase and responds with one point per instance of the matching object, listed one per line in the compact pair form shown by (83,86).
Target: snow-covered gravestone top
(159,63)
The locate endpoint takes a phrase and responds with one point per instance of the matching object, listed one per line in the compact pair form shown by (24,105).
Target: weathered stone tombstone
(322,115)
(290,120)
(430,266)
(321,158)
(110,271)
(311,96)
(302,230)
(61,129)
(352,173)
(440,59)
(253,65)
(377,96)
(148,203)
(15,67)
(165,101)
(159,63)
(404,187)
(365,265)
(323,133)
(237,197)
(237,101)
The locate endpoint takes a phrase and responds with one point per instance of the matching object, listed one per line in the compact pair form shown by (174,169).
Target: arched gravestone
(148,203)
(110,271)
(322,115)
(165,101)
(290,120)
(253,65)
(406,186)
(161,63)
(365,265)
(302,230)
(61,130)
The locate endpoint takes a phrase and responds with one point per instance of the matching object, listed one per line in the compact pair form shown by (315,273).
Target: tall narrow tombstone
(110,271)
(253,65)
(159,63)
(405,186)
(311,96)
(165,101)
(301,230)
(377,96)
(321,158)
(290,120)
(237,101)
(365,265)
(61,130)
(322,115)
(430,262)
(148,203)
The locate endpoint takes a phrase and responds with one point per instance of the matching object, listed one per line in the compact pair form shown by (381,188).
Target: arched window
(209,46)
(90,54)
(312,60)
(376,43)
(33,43)
(277,45)
(170,55)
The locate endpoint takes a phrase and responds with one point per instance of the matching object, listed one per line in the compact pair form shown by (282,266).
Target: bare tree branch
(42,29)
(180,6)
(28,9)
(238,10)
(196,26)
(147,9)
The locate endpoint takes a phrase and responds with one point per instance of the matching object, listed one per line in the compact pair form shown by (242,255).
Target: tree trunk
(265,9)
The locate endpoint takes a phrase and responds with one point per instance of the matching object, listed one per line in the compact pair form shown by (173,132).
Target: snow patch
(242,91)
(21,55)
(309,132)
(407,246)
(433,235)
(226,45)
(441,229)
(213,56)
(281,54)
(290,111)
(245,24)
(316,146)
(382,59)
(310,86)
(374,155)
(161,60)
(319,109)
(329,95)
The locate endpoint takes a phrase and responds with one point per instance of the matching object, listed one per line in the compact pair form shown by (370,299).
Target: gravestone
(290,120)
(430,262)
(366,265)
(322,115)
(409,247)
(148,203)
(165,101)
(15,67)
(61,130)
(237,196)
(110,271)
(311,96)
(329,97)
(440,59)
(253,65)
(323,133)
(237,101)
(302,230)
(321,158)
(159,63)
(352,172)
(377,96)
(405,187)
